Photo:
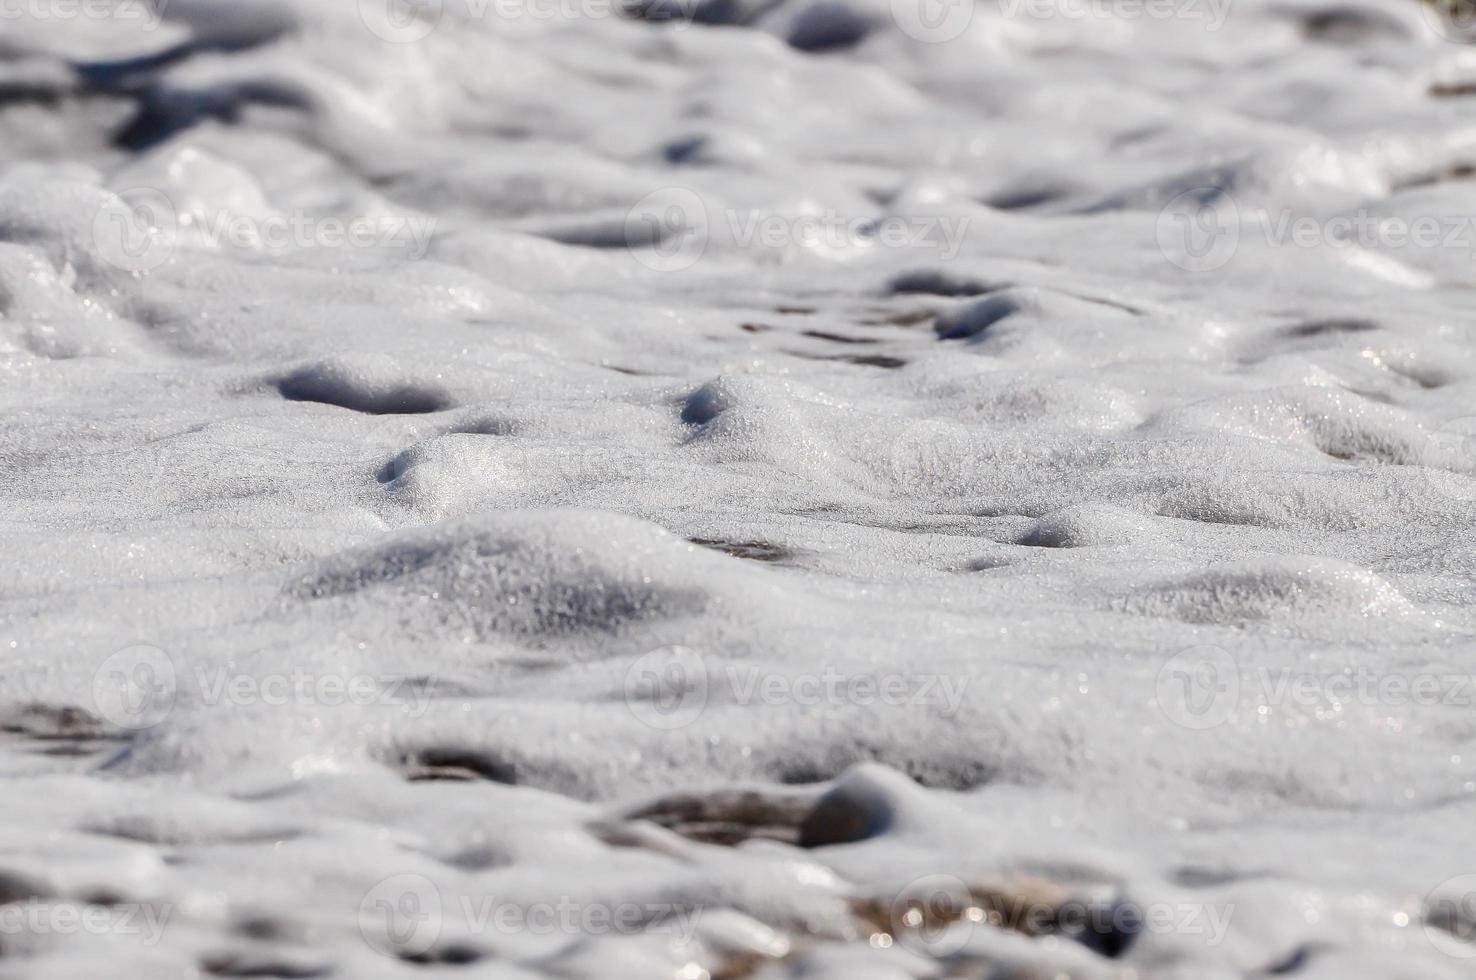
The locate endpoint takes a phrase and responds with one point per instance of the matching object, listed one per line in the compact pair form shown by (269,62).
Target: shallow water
(477,474)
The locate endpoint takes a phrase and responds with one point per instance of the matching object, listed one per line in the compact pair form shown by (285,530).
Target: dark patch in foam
(1426,376)
(864,360)
(611,234)
(751,550)
(945,771)
(901,318)
(935,282)
(1373,396)
(1456,917)
(684,151)
(977,318)
(393,468)
(985,564)
(1044,535)
(24,92)
(1227,513)
(1026,198)
(1461,171)
(1358,446)
(1028,905)
(716,13)
(1331,326)
(828,26)
(263,964)
(1110,303)
(143,830)
(130,75)
(456,764)
(1292,963)
(844,817)
(875,360)
(728,817)
(329,387)
(269,928)
(473,570)
(1110,933)
(452,954)
(702,406)
(1350,25)
(163,112)
(477,859)
(64,723)
(16,886)
(1192,876)
(1452,90)
(838,337)
(61,731)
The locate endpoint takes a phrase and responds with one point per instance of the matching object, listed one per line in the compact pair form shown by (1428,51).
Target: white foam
(428,437)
